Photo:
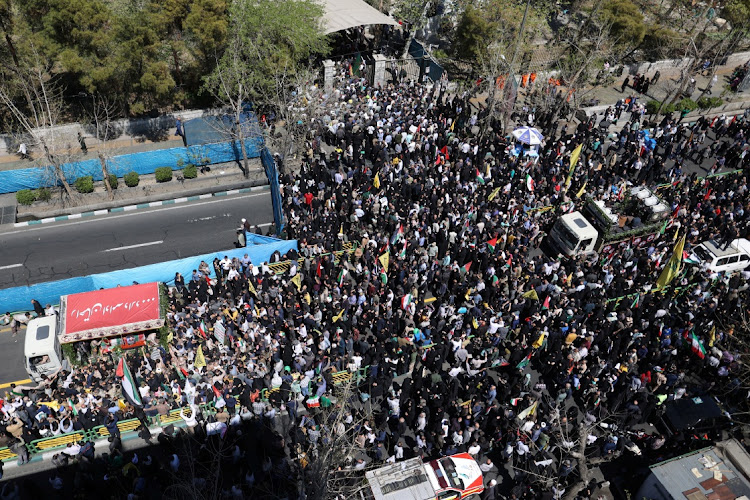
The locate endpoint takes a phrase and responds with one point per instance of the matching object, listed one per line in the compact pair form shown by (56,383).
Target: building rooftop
(717,473)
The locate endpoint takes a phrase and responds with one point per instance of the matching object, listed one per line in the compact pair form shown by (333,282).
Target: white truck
(597,229)
(448,478)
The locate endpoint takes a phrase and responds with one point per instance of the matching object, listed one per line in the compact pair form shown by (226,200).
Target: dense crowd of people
(460,335)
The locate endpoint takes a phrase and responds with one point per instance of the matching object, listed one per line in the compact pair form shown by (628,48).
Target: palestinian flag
(405,301)
(203,330)
(545,305)
(342,275)
(402,253)
(398,234)
(525,361)
(492,244)
(697,346)
(530,183)
(219,396)
(479,177)
(468,266)
(129,387)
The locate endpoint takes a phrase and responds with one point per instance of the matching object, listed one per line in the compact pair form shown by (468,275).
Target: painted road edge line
(152,204)
(17,382)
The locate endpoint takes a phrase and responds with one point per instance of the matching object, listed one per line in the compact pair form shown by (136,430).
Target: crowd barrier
(19,298)
(61,441)
(142,163)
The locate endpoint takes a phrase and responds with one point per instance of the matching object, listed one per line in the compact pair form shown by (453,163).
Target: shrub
(43,194)
(113,181)
(25,197)
(131,179)
(687,105)
(190,172)
(709,102)
(163,174)
(652,107)
(85,184)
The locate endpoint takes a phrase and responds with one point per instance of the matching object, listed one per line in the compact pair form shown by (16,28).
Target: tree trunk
(105,175)
(59,174)
(241,140)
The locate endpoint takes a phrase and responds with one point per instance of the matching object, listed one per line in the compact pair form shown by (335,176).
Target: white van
(735,257)
(42,353)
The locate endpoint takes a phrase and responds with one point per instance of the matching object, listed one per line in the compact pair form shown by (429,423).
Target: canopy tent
(344,14)
(114,311)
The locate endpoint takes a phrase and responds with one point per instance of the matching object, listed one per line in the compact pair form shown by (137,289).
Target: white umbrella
(528,135)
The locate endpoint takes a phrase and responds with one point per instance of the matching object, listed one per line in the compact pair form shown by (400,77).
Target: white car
(735,257)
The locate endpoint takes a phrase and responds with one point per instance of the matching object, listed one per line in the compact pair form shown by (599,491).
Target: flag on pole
(468,266)
(539,341)
(492,244)
(531,294)
(341,229)
(494,193)
(342,275)
(712,336)
(219,397)
(376,181)
(251,286)
(479,177)
(200,359)
(402,253)
(525,361)
(405,301)
(203,330)
(475,323)
(573,162)
(529,183)
(545,305)
(673,266)
(297,280)
(697,346)
(634,305)
(129,387)
(397,234)
(385,260)
(318,271)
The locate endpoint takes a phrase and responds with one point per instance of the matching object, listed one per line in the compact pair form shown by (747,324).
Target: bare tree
(100,117)
(39,118)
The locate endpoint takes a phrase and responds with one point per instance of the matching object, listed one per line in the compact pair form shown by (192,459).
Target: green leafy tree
(472,33)
(626,21)
(266,41)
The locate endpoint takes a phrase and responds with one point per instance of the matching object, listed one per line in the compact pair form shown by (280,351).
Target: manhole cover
(8,214)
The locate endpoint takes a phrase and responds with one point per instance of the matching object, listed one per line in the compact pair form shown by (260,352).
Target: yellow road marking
(17,382)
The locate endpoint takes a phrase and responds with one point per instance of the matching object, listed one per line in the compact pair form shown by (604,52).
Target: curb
(130,208)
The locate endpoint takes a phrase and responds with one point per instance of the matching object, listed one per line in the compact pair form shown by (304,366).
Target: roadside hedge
(190,172)
(131,179)
(25,197)
(163,174)
(84,184)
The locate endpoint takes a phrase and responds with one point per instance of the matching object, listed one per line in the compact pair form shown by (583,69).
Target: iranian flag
(530,183)
(342,275)
(203,330)
(697,346)
(405,301)
(492,244)
(129,388)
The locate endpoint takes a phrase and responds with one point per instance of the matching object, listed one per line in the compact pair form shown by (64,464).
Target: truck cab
(573,235)
(449,478)
(42,353)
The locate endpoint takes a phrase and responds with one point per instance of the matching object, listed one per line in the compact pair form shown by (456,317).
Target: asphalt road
(117,241)
(124,240)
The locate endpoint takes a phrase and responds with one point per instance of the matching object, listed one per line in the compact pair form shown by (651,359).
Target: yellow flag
(297,280)
(531,294)
(569,279)
(376,182)
(341,229)
(538,342)
(475,323)
(468,293)
(170,337)
(712,336)
(338,316)
(573,161)
(385,259)
(493,194)
(528,411)
(582,190)
(251,287)
(453,124)
(307,298)
(489,174)
(673,266)
(199,359)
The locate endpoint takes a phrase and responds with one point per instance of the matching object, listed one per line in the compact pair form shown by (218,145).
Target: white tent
(344,14)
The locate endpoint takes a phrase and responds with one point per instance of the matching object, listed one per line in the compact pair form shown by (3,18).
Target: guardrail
(338,378)
(283,266)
